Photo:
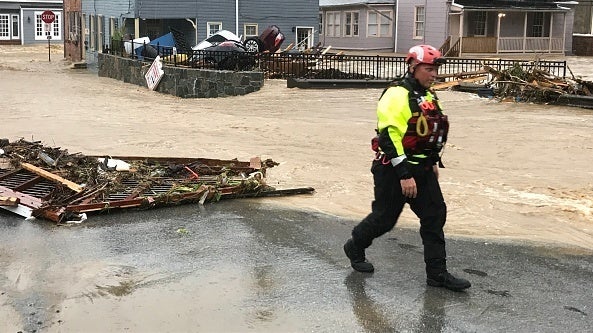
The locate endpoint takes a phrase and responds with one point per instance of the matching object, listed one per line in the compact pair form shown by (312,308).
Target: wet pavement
(240,266)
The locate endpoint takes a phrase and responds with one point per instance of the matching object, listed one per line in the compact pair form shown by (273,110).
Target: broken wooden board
(48,175)
(9,201)
(449,84)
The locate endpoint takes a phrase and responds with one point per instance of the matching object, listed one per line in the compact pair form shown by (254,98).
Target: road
(241,266)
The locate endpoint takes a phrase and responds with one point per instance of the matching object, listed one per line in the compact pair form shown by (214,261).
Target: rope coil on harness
(422,126)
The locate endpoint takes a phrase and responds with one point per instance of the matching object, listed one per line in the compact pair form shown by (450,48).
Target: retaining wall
(182,82)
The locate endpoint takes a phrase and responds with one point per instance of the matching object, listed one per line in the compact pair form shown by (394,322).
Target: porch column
(525,33)
(461,33)
(551,26)
(137,27)
(564,36)
(500,16)
(83,35)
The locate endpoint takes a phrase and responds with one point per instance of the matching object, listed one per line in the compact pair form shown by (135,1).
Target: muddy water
(514,171)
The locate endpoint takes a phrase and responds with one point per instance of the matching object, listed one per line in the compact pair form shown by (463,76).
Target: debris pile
(535,85)
(51,183)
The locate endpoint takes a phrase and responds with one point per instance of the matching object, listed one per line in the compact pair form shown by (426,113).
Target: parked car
(269,40)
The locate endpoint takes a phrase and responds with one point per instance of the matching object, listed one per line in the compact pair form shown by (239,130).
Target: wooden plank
(461,75)
(449,84)
(48,175)
(9,201)
(289,47)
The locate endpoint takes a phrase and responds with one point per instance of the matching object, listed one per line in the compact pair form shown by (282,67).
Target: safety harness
(427,129)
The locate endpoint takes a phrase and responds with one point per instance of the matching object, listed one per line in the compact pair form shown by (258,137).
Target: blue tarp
(160,43)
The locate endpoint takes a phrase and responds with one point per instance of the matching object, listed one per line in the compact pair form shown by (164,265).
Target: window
(538,25)
(15,26)
(320,24)
(419,17)
(250,30)
(4,27)
(379,23)
(212,28)
(42,29)
(333,24)
(479,20)
(351,24)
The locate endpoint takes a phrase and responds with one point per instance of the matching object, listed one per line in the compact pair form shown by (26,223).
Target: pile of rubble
(51,183)
(535,85)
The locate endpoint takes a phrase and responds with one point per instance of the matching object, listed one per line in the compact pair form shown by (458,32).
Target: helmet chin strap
(412,67)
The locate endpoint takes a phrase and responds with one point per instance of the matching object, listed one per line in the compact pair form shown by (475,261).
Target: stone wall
(180,81)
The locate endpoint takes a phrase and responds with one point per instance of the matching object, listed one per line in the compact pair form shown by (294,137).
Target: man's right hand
(408,187)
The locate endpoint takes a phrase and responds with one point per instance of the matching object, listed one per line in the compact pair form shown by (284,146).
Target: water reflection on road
(240,267)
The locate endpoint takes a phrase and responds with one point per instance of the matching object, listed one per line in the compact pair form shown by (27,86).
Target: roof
(519,5)
(336,3)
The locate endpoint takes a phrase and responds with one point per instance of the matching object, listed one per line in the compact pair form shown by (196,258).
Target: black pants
(389,202)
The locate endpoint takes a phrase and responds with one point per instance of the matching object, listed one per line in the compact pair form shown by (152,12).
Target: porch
(496,27)
(495,45)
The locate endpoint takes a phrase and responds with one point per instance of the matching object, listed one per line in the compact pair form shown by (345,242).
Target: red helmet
(425,54)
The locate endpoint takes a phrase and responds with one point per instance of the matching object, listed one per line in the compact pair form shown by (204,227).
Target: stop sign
(48,16)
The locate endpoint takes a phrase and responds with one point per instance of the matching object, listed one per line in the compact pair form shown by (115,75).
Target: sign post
(48,17)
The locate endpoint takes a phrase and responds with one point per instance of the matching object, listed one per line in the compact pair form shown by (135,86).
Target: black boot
(446,280)
(357,258)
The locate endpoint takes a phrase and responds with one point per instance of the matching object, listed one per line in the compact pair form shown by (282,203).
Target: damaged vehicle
(219,37)
(223,50)
(269,40)
(227,55)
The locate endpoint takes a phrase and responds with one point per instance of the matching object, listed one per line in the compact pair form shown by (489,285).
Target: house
(21,22)
(197,19)
(358,25)
(456,26)
(499,26)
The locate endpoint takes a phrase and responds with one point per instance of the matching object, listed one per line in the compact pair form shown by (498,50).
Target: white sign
(155,73)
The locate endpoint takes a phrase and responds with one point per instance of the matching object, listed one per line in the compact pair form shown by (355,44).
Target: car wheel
(253,45)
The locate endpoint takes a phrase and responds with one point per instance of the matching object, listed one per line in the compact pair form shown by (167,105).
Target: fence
(333,66)
(296,64)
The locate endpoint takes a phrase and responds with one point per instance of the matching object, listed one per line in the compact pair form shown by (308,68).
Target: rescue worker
(411,132)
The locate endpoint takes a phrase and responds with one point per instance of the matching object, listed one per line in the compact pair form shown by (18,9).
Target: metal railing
(316,65)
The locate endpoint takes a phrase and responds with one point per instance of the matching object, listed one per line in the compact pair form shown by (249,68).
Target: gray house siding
(363,41)
(286,14)
(435,24)
(26,28)
(157,16)
(29,28)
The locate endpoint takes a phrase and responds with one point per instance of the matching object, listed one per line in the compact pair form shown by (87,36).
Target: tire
(254,45)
